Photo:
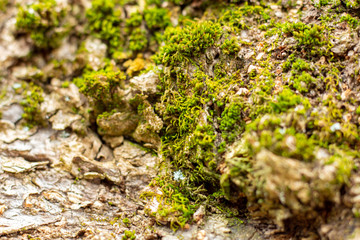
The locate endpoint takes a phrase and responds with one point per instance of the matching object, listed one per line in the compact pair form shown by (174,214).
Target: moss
(157,18)
(134,66)
(126,221)
(301,65)
(102,88)
(129,235)
(3,5)
(300,82)
(138,40)
(134,20)
(358,110)
(32,98)
(41,21)
(230,46)
(287,99)
(313,39)
(334,3)
(353,22)
(105,115)
(104,21)
(182,43)
(65,84)
(174,203)
(235,17)
(219,115)
(344,163)
(352,3)
(231,120)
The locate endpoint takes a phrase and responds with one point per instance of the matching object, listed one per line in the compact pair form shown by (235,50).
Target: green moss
(32,98)
(358,110)
(300,82)
(174,202)
(334,3)
(207,118)
(231,123)
(3,5)
(102,88)
(287,99)
(352,3)
(65,84)
(230,46)
(138,40)
(129,235)
(135,20)
(176,2)
(235,18)
(301,65)
(182,43)
(41,21)
(126,221)
(313,39)
(353,22)
(344,163)
(157,18)
(105,115)
(104,21)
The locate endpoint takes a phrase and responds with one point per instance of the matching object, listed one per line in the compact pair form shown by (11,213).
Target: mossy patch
(42,22)
(102,87)
(32,98)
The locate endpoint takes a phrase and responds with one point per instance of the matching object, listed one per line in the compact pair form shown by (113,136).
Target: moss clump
(104,19)
(173,203)
(183,43)
(126,36)
(134,20)
(102,87)
(286,142)
(42,22)
(32,98)
(353,22)
(231,123)
(129,235)
(312,38)
(287,99)
(235,18)
(138,40)
(230,46)
(300,82)
(126,221)
(157,18)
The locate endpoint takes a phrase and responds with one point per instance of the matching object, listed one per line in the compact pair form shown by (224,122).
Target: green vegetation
(353,22)
(230,46)
(172,200)
(138,40)
(183,43)
(104,19)
(234,112)
(32,98)
(129,235)
(42,22)
(126,221)
(157,18)
(102,88)
(121,34)
(287,99)
(3,5)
